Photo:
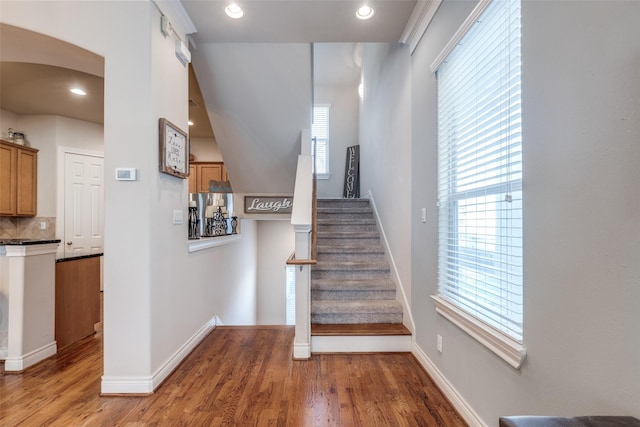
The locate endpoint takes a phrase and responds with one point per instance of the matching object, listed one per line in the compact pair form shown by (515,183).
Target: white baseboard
(360,344)
(458,402)
(147,384)
(17,364)
(301,351)
(408,320)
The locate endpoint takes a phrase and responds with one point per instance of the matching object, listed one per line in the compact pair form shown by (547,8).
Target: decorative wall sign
(352,173)
(268,204)
(174,150)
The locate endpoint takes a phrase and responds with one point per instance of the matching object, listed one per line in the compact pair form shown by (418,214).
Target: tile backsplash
(27,228)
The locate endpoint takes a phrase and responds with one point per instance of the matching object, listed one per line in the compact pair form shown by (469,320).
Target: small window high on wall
(480,265)
(320,135)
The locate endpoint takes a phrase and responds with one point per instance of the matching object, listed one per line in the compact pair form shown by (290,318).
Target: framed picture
(174,150)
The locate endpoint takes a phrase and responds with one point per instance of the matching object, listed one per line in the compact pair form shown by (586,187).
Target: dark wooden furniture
(77,307)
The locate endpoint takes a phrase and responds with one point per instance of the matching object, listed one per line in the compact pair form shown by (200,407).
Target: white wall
(582,300)
(47,133)
(156,297)
(385,147)
(258,99)
(205,150)
(8,120)
(343,132)
(276,242)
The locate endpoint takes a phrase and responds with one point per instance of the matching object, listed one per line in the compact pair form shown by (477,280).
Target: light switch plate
(177,217)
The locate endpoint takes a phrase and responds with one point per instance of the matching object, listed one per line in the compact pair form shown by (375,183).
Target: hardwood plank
(237,376)
(360,329)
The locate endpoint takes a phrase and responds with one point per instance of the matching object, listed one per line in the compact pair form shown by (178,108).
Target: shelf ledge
(211,242)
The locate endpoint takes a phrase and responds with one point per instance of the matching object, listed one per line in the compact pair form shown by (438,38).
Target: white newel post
(302,339)
(301,219)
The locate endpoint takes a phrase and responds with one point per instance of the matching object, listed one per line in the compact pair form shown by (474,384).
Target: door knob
(69,243)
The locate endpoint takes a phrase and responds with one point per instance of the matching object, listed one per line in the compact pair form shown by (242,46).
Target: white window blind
(480,171)
(320,134)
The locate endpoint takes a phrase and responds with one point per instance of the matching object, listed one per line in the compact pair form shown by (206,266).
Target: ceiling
(36,71)
(298,21)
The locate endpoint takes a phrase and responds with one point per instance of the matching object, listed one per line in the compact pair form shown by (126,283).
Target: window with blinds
(320,134)
(480,171)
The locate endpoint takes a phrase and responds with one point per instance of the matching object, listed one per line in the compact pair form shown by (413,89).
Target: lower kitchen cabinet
(77,306)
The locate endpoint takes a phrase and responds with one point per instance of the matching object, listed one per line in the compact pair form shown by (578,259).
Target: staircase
(352,293)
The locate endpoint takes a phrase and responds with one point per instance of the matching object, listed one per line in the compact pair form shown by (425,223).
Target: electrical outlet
(439,343)
(177,217)
(43,225)
(424,214)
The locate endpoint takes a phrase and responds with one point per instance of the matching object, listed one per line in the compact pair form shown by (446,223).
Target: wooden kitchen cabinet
(77,305)
(193,187)
(200,173)
(18,180)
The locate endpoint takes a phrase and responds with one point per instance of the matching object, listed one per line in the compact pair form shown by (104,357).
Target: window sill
(323,175)
(211,242)
(508,349)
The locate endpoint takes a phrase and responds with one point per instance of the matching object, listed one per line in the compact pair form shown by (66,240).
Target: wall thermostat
(125,174)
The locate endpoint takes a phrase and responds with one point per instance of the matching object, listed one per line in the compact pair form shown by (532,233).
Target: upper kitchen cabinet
(201,173)
(18,180)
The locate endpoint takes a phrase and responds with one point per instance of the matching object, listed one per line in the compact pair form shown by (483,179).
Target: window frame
(509,349)
(327,172)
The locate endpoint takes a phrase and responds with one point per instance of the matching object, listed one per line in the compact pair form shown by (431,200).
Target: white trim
(506,348)
(323,175)
(212,242)
(466,25)
(464,409)
(302,351)
(147,384)
(396,276)
(360,343)
(419,21)
(29,250)
(17,364)
(170,365)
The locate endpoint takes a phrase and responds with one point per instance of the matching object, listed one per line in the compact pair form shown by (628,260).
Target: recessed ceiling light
(365,12)
(190,123)
(78,91)
(234,11)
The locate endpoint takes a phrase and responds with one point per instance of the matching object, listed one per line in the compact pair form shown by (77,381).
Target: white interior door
(83,204)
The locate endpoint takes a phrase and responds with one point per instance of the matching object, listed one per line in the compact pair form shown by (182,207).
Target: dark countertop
(77,255)
(25,242)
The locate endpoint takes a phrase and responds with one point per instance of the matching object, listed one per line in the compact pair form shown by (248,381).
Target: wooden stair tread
(368,329)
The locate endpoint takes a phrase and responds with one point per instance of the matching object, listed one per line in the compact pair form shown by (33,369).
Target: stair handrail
(313,259)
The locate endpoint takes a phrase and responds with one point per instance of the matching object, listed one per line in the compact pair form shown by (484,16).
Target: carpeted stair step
(348,238)
(354,289)
(349,269)
(368,252)
(328,213)
(363,249)
(349,312)
(347,225)
(343,203)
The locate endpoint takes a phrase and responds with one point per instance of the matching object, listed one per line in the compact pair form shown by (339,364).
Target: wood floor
(238,376)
